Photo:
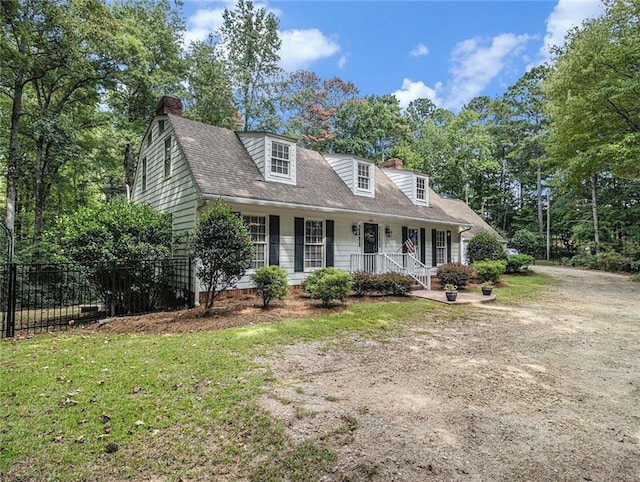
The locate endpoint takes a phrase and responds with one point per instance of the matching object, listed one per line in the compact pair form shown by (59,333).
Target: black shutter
(298,251)
(448,246)
(434,240)
(274,240)
(405,234)
(423,245)
(329,243)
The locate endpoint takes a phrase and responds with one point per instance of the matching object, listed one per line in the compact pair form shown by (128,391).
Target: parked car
(512,251)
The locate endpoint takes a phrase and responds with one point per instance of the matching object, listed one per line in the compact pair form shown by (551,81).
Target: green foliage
(489,270)
(484,246)
(394,284)
(450,287)
(329,284)
(454,273)
(517,263)
(525,242)
(223,250)
(270,283)
(117,234)
(250,40)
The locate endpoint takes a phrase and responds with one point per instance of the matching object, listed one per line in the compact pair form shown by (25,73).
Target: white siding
(255,146)
(347,168)
(176,194)
(406,182)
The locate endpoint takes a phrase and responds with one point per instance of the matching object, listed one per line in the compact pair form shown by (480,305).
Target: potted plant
(486,288)
(451,291)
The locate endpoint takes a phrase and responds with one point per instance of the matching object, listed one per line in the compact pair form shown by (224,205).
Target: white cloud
(202,23)
(566,15)
(476,63)
(342,61)
(416,90)
(300,48)
(419,50)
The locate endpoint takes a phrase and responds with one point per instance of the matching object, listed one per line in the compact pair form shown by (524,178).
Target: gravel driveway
(541,391)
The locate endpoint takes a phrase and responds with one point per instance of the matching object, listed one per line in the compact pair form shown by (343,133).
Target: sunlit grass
(178,406)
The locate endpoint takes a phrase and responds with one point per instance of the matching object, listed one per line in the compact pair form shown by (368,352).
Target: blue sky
(448,51)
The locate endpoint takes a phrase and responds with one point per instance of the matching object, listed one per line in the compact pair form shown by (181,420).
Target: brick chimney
(392,164)
(169,105)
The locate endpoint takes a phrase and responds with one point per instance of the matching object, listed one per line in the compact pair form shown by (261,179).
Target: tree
(223,250)
(151,65)
(594,106)
(250,43)
(369,127)
(310,104)
(210,98)
(484,246)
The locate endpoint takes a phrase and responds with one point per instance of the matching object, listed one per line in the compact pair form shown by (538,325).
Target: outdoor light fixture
(355,229)
(388,232)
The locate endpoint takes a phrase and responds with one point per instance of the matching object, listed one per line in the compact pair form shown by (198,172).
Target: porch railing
(403,263)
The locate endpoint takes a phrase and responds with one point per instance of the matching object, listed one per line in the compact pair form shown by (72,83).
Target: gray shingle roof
(221,166)
(460,209)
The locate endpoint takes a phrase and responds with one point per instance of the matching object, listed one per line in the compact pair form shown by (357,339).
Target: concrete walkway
(462,299)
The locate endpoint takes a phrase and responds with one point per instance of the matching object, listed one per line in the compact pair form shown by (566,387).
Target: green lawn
(177,406)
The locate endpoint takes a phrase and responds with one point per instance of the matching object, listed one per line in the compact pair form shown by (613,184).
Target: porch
(403,263)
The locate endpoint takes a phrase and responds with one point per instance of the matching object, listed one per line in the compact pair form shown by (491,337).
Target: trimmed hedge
(394,284)
(517,263)
(455,274)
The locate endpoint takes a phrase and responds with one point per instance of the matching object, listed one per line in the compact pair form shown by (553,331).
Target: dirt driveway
(542,391)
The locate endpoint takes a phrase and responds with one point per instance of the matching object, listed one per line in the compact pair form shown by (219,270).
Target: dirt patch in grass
(227,313)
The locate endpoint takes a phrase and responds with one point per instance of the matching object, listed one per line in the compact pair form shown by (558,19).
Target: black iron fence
(45,297)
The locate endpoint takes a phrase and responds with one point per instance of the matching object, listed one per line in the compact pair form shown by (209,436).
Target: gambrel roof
(222,167)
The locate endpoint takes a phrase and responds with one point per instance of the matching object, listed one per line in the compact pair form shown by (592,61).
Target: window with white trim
(441,248)
(421,188)
(167,157)
(280,159)
(257,226)
(364,176)
(313,243)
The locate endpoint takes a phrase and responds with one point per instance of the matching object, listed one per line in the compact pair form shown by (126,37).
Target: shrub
(364,283)
(328,284)
(525,242)
(454,273)
(395,284)
(270,282)
(489,270)
(223,250)
(612,261)
(484,246)
(518,262)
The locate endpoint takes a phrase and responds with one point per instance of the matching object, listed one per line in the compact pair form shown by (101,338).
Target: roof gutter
(280,204)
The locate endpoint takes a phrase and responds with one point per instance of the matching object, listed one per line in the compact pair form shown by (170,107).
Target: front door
(370,246)
(370,238)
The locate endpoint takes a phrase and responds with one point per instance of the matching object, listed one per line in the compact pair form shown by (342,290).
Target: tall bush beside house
(270,283)
(222,249)
(329,284)
(484,246)
(118,234)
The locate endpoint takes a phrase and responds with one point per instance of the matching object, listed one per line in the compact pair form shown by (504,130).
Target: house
(305,210)
(462,210)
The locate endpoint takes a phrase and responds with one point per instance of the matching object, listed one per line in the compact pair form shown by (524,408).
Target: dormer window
(280,160)
(364,176)
(421,189)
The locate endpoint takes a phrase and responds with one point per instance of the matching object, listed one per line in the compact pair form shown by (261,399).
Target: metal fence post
(11,300)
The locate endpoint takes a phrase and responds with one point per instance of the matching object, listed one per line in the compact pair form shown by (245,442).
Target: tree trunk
(129,165)
(12,155)
(539,192)
(594,207)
